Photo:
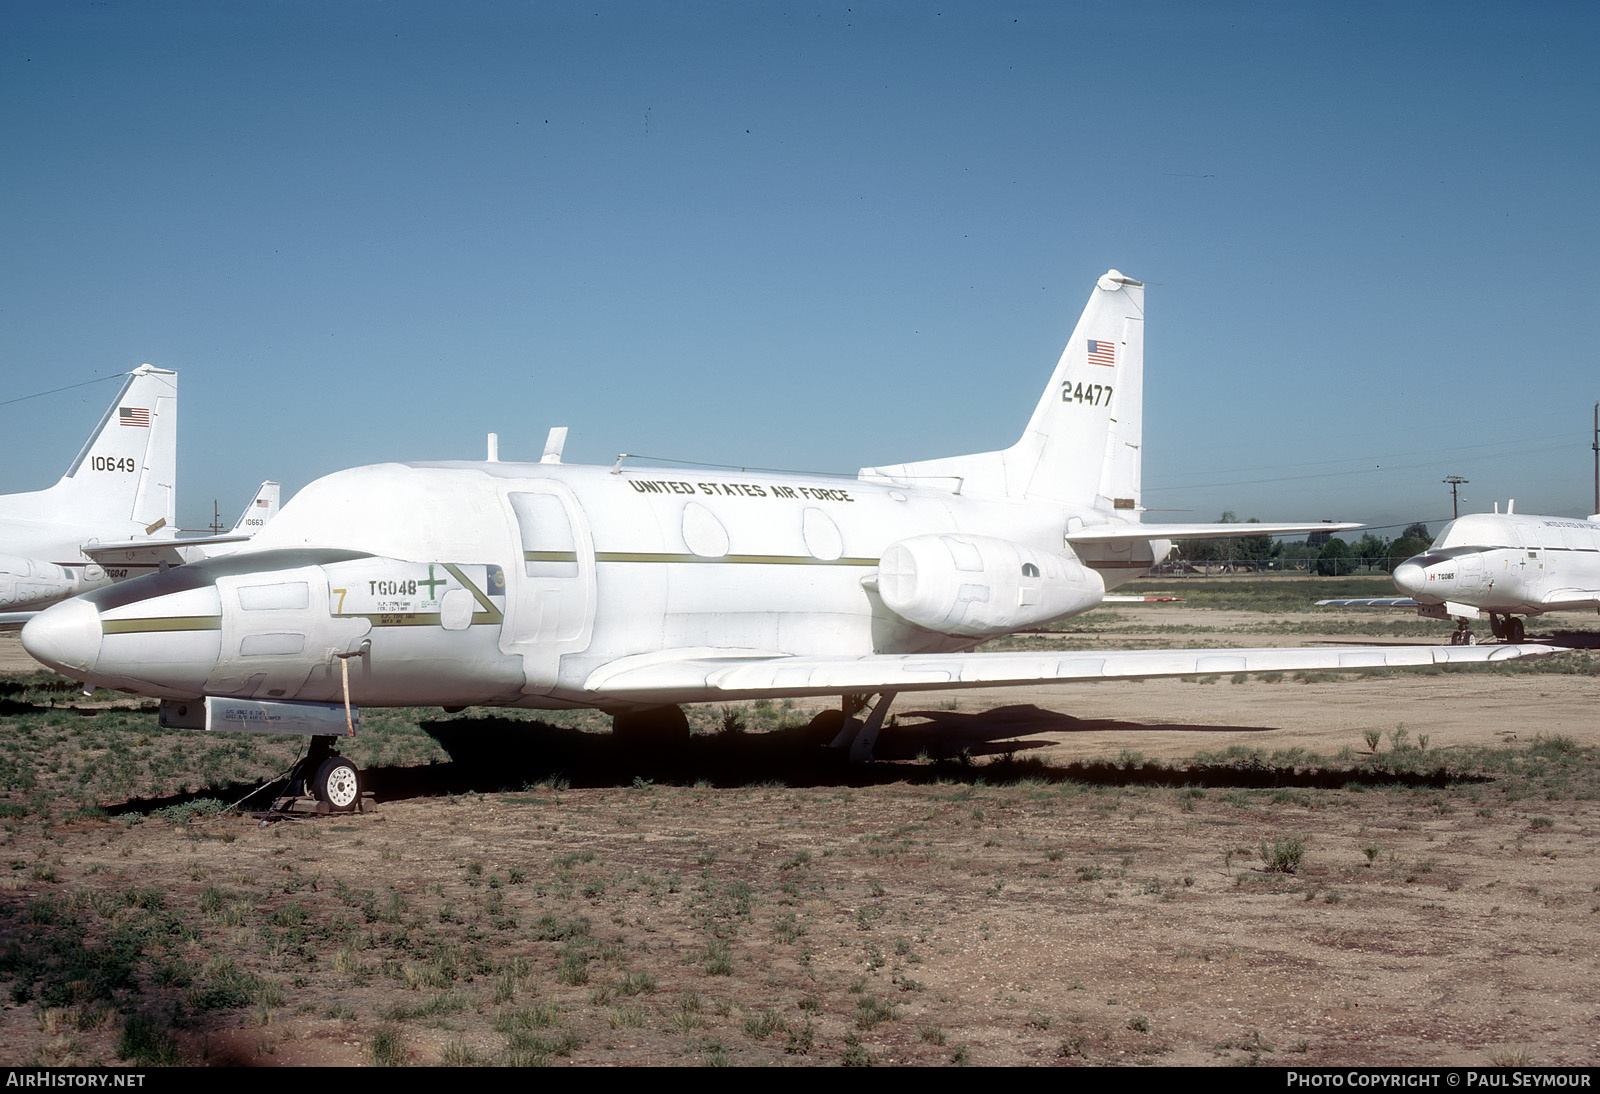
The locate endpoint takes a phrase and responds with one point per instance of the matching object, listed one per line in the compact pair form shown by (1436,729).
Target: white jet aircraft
(1503,565)
(119,488)
(554,586)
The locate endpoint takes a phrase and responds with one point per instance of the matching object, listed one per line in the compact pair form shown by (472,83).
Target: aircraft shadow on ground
(1572,640)
(495,755)
(944,733)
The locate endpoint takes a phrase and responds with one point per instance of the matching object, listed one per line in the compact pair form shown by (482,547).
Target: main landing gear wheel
(656,727)
(822,729)
(1515,630)
(337,784)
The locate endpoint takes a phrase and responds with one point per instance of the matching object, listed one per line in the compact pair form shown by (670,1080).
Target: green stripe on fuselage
(734,560)
(167,623)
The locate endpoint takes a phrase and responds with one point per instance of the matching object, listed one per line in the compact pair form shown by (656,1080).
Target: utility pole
(1456,480)
(216,519)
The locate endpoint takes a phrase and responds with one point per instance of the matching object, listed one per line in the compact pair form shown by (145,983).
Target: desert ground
(1330,870)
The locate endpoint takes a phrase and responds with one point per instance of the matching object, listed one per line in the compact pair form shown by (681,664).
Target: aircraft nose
(65,636)
(1409,578)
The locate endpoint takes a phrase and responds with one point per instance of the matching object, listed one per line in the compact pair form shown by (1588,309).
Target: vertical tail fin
(262,508)
(128,469)
(1082,445)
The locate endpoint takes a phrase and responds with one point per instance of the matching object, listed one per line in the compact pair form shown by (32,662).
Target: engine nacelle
(979,586)
(33,583)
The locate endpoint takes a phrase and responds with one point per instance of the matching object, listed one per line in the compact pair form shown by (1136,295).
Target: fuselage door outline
(550,591)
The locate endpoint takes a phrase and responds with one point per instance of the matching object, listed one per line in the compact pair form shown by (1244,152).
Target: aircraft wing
(752,674)
(1122,598)
(1104,533)
(1570,599)
(1370,602)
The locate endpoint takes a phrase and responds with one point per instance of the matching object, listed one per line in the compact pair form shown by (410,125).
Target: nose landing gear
(324,782)
(337,784)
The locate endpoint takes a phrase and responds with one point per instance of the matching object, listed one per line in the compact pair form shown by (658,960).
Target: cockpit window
(395,511)
(548,546)
(1476,530)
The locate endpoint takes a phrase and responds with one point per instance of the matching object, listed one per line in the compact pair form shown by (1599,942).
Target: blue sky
(812,236)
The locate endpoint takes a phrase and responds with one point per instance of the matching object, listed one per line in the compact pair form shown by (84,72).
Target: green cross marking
(433,583)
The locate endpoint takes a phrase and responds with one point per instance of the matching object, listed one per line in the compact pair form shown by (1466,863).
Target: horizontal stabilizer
(1111,533)
(1370,602)
(153,553)
(660,677)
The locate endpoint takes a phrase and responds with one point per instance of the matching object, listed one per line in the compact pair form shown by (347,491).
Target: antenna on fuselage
(553,444)
(494,448)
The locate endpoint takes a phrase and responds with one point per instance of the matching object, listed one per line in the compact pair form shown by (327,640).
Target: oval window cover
(822,535)
(703,533)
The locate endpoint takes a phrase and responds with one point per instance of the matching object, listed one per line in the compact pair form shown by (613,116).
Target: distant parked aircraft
(119,488)
(1503,565)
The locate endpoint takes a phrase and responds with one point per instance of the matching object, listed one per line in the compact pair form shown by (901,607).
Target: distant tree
(1372,550)
(1227,550)
(1257,548)
(1288,554)
(1418,531)
(1403,548)
(1208,550)
(1335,559)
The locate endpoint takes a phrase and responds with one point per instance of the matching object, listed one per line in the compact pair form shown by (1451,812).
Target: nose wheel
(328,778)
(337,784)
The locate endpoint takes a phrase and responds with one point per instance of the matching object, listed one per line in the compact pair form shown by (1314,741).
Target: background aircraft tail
(262,508)
(1082,445)
(129,467)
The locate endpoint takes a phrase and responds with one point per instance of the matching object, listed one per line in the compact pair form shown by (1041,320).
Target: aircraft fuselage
(511,584)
